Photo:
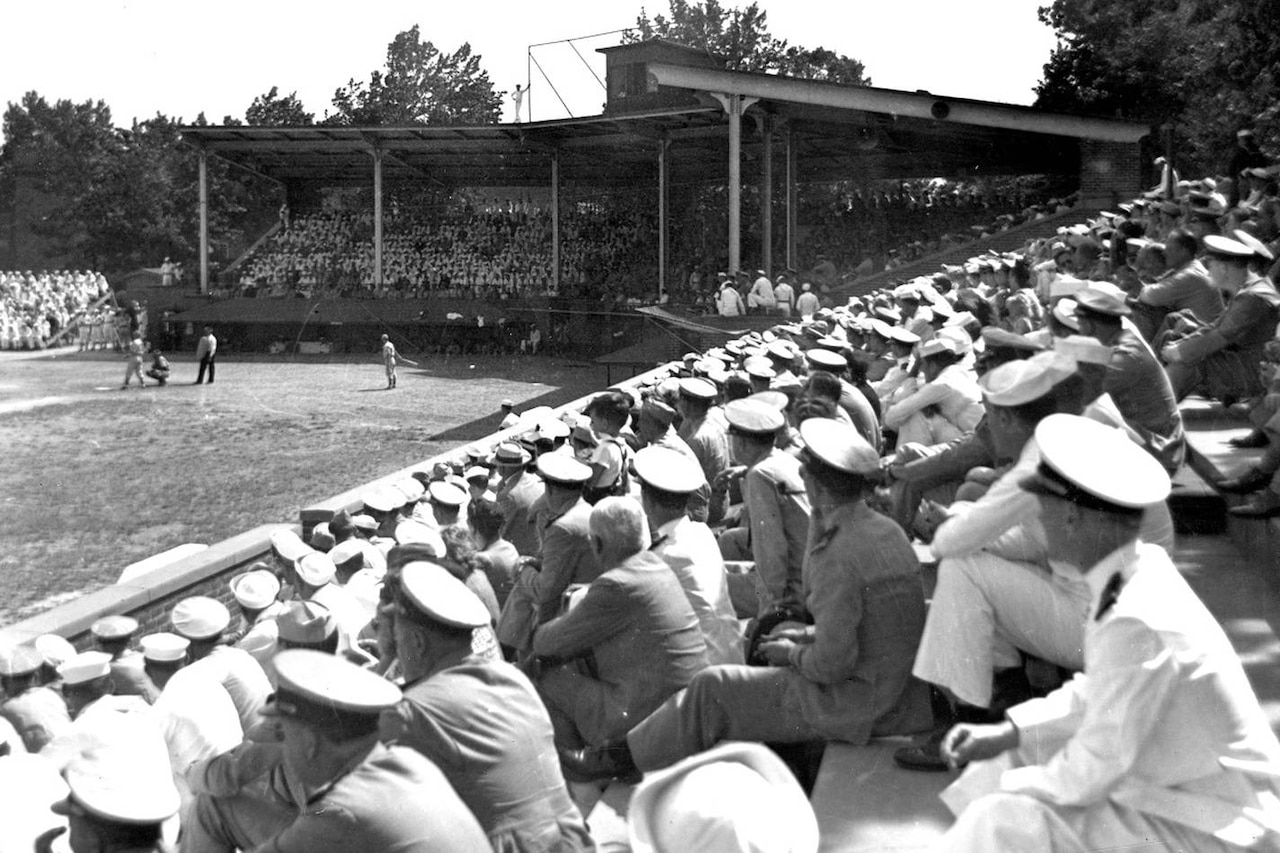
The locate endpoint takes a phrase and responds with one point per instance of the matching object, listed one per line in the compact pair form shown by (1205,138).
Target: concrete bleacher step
(1196,507)
(864,802)
(1209,427)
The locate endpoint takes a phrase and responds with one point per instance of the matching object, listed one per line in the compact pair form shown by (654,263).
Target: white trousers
(984,610)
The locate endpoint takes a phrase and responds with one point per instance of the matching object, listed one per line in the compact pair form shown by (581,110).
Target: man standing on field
(389,357)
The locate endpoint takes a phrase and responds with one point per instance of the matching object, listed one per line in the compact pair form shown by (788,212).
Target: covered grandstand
(674,117)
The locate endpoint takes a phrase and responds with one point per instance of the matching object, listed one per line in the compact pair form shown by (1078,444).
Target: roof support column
(555,222)
(792,181)
(204,221)
(766,197)
(663,179)
(377,217)
(735,106)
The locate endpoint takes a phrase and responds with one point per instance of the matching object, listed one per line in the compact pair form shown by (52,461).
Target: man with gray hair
(630,642)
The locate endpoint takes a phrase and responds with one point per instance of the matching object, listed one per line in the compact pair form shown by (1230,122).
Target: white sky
(181,58)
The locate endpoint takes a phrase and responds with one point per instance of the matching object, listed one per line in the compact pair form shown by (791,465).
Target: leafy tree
(741,37)
(271,110)
(1208,68)
(420,85)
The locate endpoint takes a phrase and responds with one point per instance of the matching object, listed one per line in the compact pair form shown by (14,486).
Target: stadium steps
(1001,241)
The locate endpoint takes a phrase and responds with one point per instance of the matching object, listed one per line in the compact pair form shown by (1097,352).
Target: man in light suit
(1161,742)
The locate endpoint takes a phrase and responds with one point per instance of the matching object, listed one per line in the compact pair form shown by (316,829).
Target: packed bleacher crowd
(498,250)
(874,230)
(725,554)
(36,307)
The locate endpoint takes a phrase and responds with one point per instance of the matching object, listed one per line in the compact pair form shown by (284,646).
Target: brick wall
(1110,172)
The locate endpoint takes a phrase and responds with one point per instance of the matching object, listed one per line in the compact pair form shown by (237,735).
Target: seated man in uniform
(480,721)
(775,508)
(329,784)
(1220,358)
(1161,743)
(846,676)
(629,643)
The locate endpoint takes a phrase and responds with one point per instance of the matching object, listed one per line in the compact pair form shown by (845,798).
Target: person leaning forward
(480,721)
(631,641)
(1161,742)
(329,784)
(846,677)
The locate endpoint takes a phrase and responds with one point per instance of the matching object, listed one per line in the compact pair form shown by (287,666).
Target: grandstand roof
(891,134)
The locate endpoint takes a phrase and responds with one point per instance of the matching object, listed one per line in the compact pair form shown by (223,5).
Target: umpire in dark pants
(206,351)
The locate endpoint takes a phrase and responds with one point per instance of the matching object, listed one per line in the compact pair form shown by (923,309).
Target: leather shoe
(926,756)
(1266,506)
(1255,438)
(1249,481)
(598,763)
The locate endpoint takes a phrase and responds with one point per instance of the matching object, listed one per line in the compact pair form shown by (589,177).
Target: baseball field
(93,478)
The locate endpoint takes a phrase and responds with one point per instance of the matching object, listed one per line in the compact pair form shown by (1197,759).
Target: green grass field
(93,478)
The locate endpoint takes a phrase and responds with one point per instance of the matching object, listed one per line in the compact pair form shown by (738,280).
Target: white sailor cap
(201,618)
(112,783)
(54,649)
(1225,247)
(446,494)
(562,469)
(289,545)
(383,500)
(438,595)
(669,470)
(1064,311)
(1096,466)
(1083,348)
(19,660)
(311,686)
(85,667)
(164,647)
(316,569)
(256,589)
(839,445)
(753,417)
(773,399)
(115,627)
(1102,297)
(1259,248)
(825,359)
(1018,382)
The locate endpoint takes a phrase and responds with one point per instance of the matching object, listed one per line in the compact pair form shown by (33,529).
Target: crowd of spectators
(865,233)
(36,307)
(497,250)
(724,553)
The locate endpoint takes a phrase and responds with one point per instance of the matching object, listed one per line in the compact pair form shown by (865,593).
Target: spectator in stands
(1184,287)
(1090,763)
(728,300)
(1135,379)
(948,404)
(773,528)
(668,479)
(37,713)
(637,625)
(843,677)
(1220,357)
(566,555)
(481,722)
(328,712)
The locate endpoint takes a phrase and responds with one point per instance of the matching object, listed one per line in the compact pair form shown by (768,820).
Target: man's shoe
(1249,481)
(925,756)
(598,763)
(1265,506)
(1256,438)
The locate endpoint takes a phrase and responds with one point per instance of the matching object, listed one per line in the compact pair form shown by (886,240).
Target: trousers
(205,362)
